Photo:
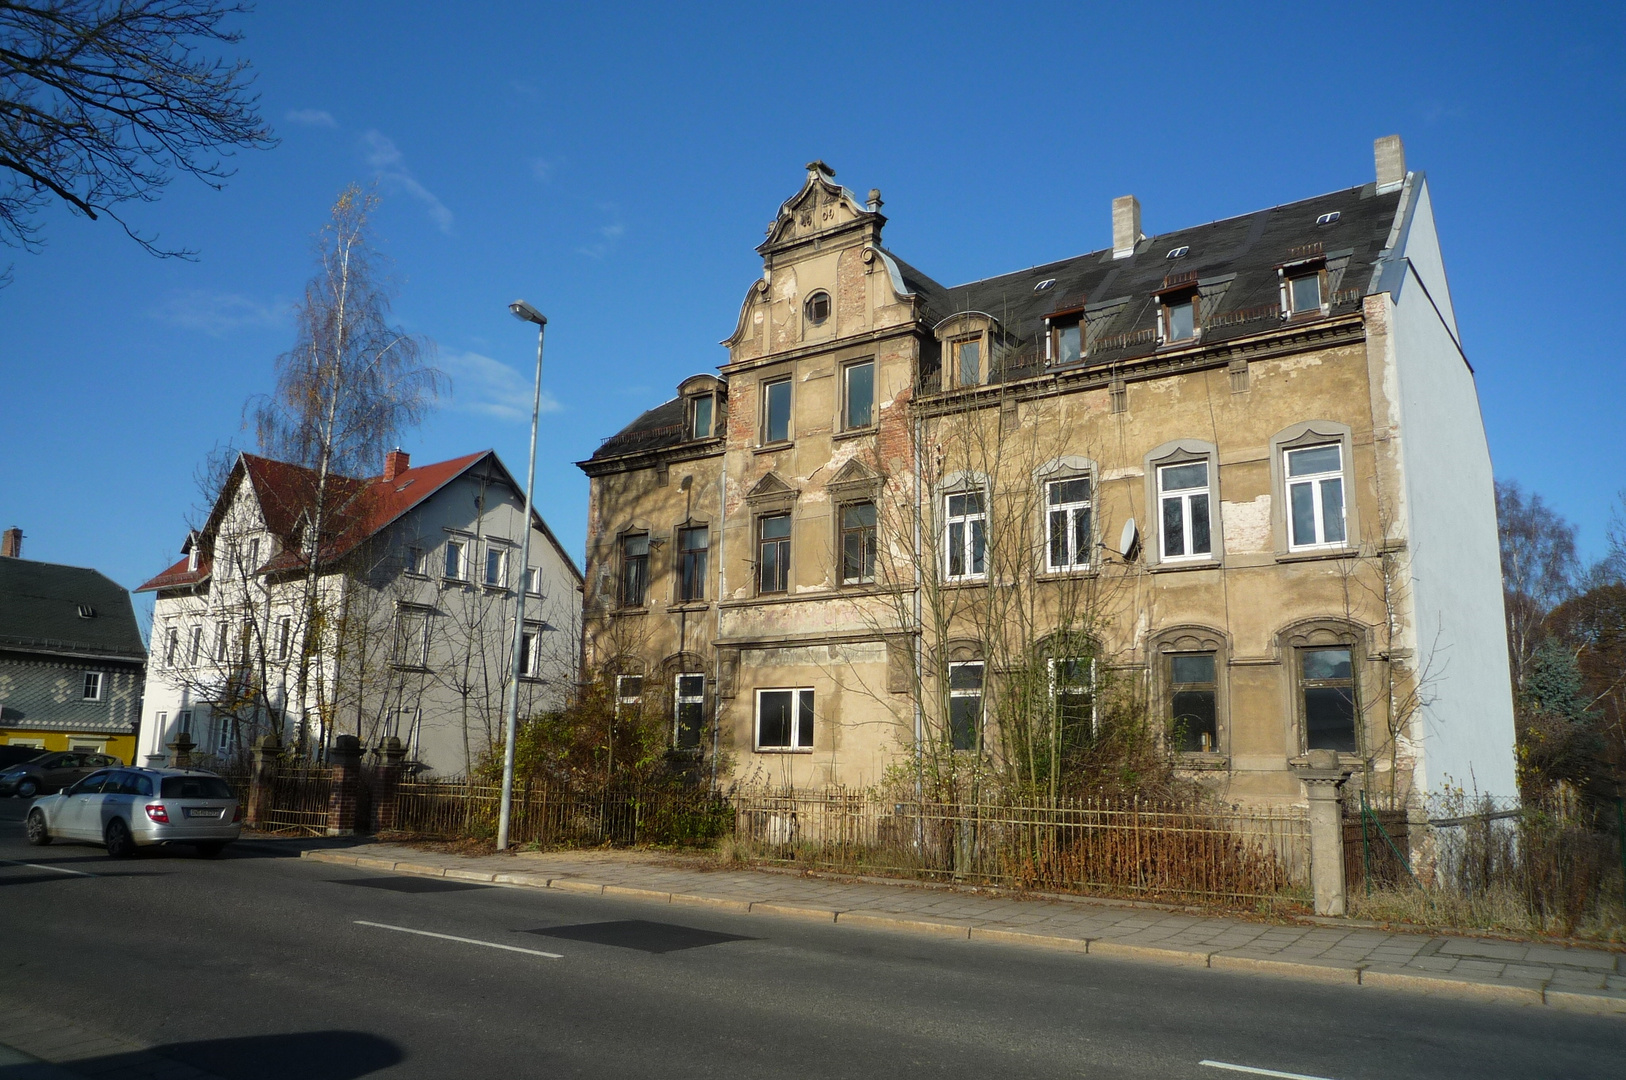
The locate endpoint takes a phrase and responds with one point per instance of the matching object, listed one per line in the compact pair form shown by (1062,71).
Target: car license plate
(202,811)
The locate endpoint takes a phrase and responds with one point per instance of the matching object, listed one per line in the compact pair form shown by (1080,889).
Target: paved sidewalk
(1567,977)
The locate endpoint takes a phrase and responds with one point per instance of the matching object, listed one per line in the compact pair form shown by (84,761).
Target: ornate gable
(855,478)
(771,492)
(822,208)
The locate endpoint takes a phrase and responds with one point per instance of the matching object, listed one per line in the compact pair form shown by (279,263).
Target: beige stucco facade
(873,639)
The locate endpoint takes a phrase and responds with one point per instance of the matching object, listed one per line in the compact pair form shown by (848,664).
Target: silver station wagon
(130,808)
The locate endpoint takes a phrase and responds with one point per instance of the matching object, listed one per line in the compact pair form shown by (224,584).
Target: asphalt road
(260,964)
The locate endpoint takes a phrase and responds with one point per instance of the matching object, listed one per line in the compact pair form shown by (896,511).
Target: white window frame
(1088,690)
(415,561)
(709,401)
(680,699)
(963,693)
(623,697)
(285,635)
(1074,559)
(1316,482)
(410,653)
(222,642)
(530,655)
(183,722)
(1185,497)
(794,746)
(172,645)
(89,691)
(767,411)
(846,395)
(500,579)
(253,563)
(970,524)
(533,580)
(459,571)
(194,650)
(160,720)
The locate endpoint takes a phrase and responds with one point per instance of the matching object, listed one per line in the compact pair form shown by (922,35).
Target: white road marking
(42,866)
(1259,1072)
(466,941)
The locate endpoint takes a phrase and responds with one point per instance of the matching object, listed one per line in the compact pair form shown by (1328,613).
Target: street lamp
(525,313)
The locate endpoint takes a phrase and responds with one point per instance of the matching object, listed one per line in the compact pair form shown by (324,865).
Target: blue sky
(617,166)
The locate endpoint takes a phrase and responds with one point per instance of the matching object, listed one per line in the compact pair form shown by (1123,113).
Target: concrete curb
(1511,992)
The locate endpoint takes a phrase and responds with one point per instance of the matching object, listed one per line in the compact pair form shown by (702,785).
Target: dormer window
(1303,289)
(192,557)
(700,416)
(967,354)
(1067,341)
(1179,317)
(817,308)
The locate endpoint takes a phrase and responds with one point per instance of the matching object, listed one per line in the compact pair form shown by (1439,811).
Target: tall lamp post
(525,313)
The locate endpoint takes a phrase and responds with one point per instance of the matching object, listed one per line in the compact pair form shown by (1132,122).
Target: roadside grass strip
(1252,1071)
(467,941)
(44,866)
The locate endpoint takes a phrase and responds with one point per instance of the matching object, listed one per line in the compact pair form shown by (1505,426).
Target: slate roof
(40,611)
(1232,262)
(365,505)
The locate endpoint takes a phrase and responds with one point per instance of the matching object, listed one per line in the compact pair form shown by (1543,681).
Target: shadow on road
(309,1055)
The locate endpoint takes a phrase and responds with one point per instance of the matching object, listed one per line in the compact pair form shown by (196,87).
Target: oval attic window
(818,307)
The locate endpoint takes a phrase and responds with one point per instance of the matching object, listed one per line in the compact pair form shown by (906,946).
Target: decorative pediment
(770,491)
(855,478)
(820,208)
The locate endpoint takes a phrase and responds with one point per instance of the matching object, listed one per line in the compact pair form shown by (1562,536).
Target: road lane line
(467,941)
(42,866)
(1259,1072)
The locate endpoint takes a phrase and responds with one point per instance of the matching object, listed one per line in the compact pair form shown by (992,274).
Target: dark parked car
(16,755)
(52,772)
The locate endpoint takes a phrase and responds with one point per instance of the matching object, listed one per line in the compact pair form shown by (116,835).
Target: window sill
(773,447)
(1198,762)
(501,590)
(783,750)
(1068,573)
(629,611)
(689,605)
(980,581)
(1176,567)
(1318,554)
(853,433)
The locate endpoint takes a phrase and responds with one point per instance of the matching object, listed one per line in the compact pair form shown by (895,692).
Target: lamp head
(526,313)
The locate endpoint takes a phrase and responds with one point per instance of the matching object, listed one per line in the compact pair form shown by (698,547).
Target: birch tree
(345,392)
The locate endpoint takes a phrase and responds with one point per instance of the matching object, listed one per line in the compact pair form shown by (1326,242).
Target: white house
(403,628)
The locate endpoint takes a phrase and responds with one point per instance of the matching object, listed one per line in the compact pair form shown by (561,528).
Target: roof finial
(875,200)
(820,169)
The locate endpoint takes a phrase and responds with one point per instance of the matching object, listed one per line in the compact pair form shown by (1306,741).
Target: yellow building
(1239,468)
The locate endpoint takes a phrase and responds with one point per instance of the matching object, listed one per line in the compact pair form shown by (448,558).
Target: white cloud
(219,314)
(608,235)
(311,118)
(491,388)
(386,157)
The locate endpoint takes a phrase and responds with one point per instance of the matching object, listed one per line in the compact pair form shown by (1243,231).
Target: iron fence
(1089,845)
(299,799)
(554,816)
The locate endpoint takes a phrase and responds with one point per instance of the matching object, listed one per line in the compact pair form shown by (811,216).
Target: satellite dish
(1128,539)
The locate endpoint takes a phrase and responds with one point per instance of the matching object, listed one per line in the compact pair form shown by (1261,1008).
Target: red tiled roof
(366,506)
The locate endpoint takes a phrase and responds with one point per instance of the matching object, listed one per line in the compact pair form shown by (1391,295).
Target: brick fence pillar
(262,778)
(391,756)
(180,751)
(1324,781)
(344,758)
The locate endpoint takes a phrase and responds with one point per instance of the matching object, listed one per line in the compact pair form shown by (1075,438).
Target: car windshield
(196,787)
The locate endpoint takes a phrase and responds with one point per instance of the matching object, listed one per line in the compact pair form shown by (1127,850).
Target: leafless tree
(103,101)
(344,393)
(1539,568)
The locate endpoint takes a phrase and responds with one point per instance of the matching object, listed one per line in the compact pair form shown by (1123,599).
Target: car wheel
(212,849)
(120,844)
(28,788)
(39,834)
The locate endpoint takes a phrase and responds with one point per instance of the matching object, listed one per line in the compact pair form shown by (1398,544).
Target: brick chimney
(1125,226)
(395,463)
(11,543)
(1389,154)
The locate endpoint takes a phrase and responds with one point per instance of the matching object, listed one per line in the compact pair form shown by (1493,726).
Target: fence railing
(1129,846)
(299,798)
(555,816)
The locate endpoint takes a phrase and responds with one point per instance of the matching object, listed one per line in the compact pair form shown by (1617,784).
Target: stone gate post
(391,755)
(1324,779)
(344,758)
(180,751)
(262,778)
